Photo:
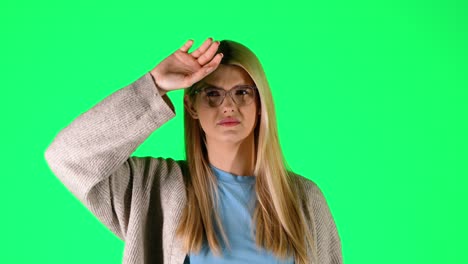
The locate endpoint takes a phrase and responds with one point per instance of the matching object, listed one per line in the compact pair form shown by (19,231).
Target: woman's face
(211,118)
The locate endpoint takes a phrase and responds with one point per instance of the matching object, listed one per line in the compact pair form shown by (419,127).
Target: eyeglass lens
(242,95)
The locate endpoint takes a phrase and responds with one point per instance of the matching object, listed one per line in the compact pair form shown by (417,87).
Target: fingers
(204,53)
(208,54)
(213,63)
(207,69)
(202,48)
(186,46)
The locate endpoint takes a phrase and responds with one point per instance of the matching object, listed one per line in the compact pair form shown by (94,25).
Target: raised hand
(182,69)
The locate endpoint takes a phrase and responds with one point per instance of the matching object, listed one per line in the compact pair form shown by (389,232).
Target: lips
(228,120)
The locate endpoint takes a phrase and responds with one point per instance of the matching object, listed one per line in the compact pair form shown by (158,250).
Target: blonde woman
(231,201)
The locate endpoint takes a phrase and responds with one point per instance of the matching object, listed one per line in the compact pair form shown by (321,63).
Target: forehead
(227,76)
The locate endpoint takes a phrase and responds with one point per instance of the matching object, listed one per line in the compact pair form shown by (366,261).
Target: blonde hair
(280,224)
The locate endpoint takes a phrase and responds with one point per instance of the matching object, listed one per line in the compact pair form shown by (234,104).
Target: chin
(232,138)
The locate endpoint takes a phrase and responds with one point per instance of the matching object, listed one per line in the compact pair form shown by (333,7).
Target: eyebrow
(241,84)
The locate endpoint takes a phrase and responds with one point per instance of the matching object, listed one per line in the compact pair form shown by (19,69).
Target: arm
(328,242)
(91,156)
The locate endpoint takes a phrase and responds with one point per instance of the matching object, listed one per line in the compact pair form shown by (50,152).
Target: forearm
(98,141)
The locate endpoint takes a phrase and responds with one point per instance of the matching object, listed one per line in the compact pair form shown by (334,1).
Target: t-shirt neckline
(232,178)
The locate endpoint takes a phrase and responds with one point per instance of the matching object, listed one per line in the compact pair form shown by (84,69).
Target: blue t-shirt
(236,208)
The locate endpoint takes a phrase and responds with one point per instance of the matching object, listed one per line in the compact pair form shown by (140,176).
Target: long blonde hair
(280,224)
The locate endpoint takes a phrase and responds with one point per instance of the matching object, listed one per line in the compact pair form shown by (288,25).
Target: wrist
(161,91)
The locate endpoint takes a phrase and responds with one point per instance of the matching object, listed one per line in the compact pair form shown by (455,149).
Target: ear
(190,107)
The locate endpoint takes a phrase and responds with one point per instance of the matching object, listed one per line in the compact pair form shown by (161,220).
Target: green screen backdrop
(371,98)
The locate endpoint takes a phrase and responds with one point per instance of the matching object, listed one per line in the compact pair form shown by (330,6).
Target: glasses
(214,96)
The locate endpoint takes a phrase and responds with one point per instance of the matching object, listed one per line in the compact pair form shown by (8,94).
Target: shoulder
(313,198)
(309,187)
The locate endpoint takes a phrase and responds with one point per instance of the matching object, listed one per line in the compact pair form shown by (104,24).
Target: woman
(231,201)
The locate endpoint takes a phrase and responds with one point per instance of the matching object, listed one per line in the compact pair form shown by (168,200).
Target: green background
(371,101)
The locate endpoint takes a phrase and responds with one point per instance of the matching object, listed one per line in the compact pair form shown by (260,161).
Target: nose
(228,103)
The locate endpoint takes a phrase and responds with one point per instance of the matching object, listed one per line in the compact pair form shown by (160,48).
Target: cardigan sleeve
(91,156)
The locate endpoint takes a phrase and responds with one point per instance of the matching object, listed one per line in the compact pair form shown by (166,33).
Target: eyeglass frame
(226,92)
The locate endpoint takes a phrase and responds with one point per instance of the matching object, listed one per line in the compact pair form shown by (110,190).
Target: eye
(243,91)
(210,92)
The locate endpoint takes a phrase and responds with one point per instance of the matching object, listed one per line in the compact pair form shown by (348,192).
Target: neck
(235,158)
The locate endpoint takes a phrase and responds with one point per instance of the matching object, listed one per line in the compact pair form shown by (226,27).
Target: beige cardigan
(140,199)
